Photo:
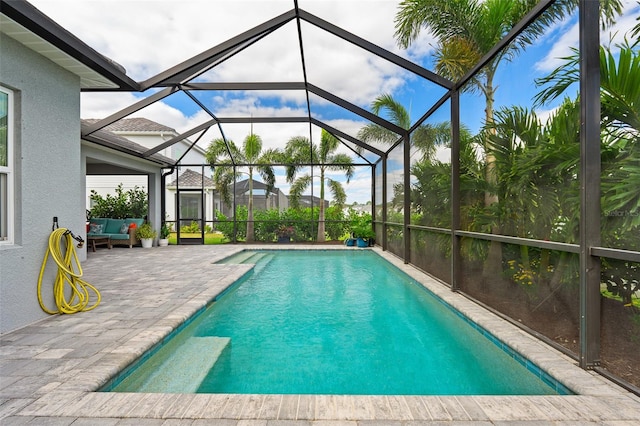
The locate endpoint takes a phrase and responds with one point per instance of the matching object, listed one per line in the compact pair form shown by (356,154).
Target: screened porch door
(190,206)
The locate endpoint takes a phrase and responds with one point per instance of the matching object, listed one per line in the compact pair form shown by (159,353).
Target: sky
(147,37)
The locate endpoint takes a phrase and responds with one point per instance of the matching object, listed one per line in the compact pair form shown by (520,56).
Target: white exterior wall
(48,176)
(104,185)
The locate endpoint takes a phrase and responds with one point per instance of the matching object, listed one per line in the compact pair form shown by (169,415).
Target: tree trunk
(250,232)
(321,234)
(493,262)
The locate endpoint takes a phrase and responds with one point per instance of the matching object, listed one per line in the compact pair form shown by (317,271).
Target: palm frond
(268,176)
(620,83)
(343,163)
(375,133)
(223,177)
(558,80)
(337,193)
(252,147)
(297,189)
(220,150)
(410,19)
(328,144)
(393,109)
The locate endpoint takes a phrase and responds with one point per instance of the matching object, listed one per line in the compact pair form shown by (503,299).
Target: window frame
(7,201)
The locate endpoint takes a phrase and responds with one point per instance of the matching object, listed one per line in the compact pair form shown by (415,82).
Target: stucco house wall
(47,170)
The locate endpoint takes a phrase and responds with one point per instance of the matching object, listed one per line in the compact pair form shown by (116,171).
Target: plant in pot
(362,231)
(284,233)
(164,235)
(146,234)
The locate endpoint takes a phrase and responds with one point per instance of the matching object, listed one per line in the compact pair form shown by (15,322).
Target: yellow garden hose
(79,295)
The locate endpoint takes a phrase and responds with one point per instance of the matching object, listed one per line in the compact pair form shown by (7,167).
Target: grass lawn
(635,301)
(212,238)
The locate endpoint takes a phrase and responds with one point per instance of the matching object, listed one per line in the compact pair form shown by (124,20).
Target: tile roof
(243,186)
(135,124)
(191,178)
(111,140)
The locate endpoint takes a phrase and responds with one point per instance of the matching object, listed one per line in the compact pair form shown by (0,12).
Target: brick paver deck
(50,370)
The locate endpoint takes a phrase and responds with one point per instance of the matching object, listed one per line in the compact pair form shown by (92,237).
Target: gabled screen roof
(316,90)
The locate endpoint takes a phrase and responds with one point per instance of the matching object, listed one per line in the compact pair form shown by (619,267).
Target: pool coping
(70,391)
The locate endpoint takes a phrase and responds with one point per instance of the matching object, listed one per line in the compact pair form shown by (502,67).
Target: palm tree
(468,29)
(299,151)
(425,138)
(620,122)
(224,157)
(465,31)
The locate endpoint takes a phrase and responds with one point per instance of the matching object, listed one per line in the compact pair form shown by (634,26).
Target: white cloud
(570,36)
(545,114)
(560,49)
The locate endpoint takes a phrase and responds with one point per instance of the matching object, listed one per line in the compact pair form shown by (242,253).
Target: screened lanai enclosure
(506,163)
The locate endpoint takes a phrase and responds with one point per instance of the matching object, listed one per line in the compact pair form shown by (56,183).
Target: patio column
(456,263)
(407,197)
(384,202)
(589,18)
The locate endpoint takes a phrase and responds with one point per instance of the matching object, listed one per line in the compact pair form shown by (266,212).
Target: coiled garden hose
(79,290)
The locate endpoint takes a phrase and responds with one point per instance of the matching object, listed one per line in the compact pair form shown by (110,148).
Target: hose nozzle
(78,238)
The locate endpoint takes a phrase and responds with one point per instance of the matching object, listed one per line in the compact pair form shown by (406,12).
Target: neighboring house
(261,200)
(191,191)
(306,200)
(149,134)
(43,161)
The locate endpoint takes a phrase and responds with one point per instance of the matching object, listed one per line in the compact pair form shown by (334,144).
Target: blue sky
(155,35)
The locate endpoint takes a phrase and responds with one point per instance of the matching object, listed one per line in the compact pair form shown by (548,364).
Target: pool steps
(184,369)
(260,259)
(265,259)
(239,258)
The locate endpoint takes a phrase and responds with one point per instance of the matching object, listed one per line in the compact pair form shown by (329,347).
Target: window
(6,166)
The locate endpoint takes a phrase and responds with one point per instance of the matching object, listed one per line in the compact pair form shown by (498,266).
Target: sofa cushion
(98,221)
(113,226)
(95,228)
(119,236)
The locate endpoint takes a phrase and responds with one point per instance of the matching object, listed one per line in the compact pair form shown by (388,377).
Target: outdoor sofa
(119,231)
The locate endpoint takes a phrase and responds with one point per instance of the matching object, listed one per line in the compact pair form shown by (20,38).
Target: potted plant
(284,233)
(164,235)
(362,231)
(146,234)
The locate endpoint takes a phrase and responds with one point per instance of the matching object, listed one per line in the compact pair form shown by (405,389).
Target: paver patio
(50,370)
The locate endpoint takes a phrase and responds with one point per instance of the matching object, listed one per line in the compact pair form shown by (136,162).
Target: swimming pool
(331,322)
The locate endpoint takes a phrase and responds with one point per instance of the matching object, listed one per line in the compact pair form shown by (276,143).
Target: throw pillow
(94,228)
(124,229)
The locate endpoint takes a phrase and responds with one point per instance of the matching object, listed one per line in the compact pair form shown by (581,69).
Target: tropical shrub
(131,203)
(192,228)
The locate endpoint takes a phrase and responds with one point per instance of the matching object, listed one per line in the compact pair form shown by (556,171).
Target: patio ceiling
(198,80)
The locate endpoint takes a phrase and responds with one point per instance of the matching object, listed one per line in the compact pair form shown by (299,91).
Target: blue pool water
(332,322)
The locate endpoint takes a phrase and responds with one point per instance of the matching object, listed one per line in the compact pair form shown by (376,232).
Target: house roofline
(125,146)
(44,27)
